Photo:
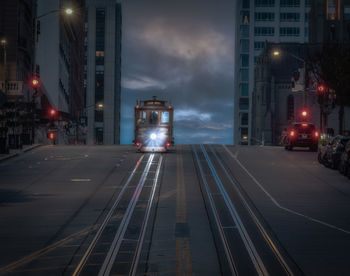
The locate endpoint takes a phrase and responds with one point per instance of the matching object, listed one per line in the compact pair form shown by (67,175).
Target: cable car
(153,130)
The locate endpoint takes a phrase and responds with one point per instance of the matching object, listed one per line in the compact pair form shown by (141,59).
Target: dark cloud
(182,51)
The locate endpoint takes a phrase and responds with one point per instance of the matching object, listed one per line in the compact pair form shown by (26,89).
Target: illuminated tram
(153,130)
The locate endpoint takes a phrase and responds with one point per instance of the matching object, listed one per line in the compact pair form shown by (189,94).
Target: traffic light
(35,83)
(321,88)
(51,135)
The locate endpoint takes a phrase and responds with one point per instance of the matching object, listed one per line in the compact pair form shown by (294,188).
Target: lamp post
(67,11)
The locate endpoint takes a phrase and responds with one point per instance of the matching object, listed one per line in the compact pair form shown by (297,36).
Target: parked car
(335,150)
(344,163)
(302,134)
(322,149)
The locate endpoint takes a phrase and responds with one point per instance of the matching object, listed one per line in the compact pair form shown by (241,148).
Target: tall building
(103,71)
(259,21)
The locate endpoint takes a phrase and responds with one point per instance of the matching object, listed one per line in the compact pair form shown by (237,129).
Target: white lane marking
(80,180)
(235,157)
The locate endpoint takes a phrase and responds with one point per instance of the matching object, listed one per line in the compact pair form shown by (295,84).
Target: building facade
(276,102)
(103,71)
(259,21)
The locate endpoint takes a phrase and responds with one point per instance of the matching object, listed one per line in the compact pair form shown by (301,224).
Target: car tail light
(168,144)
(292,133)
(137,144)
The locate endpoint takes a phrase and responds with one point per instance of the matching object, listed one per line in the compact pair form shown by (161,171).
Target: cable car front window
(141,117)
(153,118)
(165,117)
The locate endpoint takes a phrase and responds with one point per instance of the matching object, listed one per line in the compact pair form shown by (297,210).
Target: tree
(331,64)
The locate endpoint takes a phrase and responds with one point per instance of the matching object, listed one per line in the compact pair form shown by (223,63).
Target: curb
(18,153)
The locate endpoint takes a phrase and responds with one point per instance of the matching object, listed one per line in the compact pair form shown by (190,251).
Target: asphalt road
(196,210)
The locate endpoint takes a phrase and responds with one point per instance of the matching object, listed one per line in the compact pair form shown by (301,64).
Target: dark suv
(302,135)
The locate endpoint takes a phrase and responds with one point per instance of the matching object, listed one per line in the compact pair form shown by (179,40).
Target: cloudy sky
(182,51)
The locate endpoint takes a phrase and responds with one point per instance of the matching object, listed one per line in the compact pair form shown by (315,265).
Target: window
(244,103)
(306,31)
(244,119)
(264,16)
(290,3)
(306,17)
(264,3)
(289,17)
(245,45)
(245,4)
(245,17)
(264,31)
(290,108)
(333,9)
(244,135)
(289,31)
(165,117)
(245,60)
(98,115)
(244,75)
(153,117)
(256,59)
(100,30)
(307,3)
(258,45)
(244,30)
(244,89)
(346,11)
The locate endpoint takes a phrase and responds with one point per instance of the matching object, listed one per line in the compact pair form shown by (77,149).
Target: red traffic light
(51,135)
(52,112)
(321,88)
(35,82)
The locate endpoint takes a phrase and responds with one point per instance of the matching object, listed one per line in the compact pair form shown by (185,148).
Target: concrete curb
(4,158)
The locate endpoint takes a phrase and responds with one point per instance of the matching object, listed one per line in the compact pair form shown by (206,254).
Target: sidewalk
(16,152)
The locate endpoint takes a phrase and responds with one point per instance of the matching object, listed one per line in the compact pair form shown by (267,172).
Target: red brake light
(292,133)
(168,144)
(137,144)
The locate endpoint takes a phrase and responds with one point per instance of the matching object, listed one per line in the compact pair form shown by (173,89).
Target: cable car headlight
(153,136)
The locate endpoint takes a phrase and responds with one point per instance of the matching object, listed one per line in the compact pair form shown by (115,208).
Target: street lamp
(277,53)
(67,11)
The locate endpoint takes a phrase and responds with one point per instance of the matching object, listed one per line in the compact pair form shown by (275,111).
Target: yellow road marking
(43,251)
(183,250)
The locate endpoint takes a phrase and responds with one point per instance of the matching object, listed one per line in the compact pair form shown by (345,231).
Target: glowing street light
(276,53)
(100,105)
(69,11)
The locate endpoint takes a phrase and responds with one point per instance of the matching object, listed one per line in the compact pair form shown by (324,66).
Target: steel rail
(137,254)
(262,230)
(114,248)
(93,243)
(253,253)
(216,216)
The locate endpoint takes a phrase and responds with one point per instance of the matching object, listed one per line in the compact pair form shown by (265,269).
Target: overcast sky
(182,51)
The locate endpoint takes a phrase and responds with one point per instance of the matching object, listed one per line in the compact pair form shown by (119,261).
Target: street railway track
(242,240)
(116,246)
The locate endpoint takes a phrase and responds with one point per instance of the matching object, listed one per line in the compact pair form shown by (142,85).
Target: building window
(264,31)
(258,45)
(98,115)
(244,30)
(333,9)
(246,4)
(244,89)
(244,119)
(256,59)
(244,75)
(306,17)
(245,17)
(243,103)
(307,3)
(290,108)
(346,11)
(264,3)
(245,45)
(245,60)
(290,3)
(289,17)
(99,135)
(100,30)
(306,31)
(289,31)
(264,16)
